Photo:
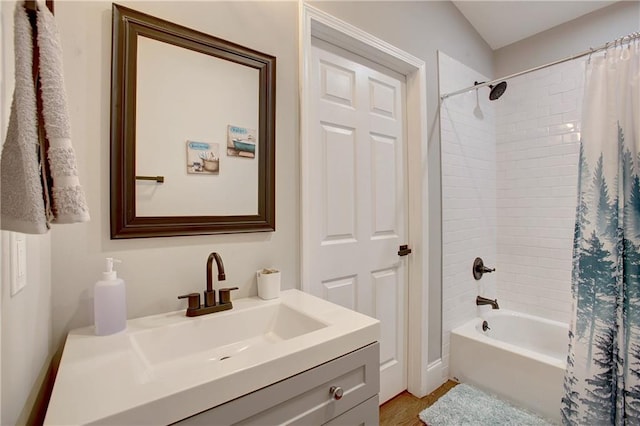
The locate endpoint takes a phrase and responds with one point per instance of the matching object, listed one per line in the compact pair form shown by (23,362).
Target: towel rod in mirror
(159,179)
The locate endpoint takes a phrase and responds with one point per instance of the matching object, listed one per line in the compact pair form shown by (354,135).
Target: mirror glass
(192,132)
(183,118)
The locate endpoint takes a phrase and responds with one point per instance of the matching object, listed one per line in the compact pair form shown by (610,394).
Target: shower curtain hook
(590,53)
(625,54)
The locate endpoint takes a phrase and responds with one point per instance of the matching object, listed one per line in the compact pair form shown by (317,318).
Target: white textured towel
(68,200)
(21,202)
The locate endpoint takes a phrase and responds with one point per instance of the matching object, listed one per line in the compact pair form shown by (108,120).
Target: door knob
(404,250)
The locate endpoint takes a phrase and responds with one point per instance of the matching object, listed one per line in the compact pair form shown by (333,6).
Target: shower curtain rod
(619,41)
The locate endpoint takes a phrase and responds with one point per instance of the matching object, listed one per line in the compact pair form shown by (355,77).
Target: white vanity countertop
(111,380)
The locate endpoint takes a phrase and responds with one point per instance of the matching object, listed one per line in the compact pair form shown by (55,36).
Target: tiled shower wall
(537,145)
(468,195)
(509,175)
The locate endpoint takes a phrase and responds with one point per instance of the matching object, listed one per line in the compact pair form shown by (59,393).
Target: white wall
(538,136)
(468,134)
(591,30)
(26,317)
(157,270)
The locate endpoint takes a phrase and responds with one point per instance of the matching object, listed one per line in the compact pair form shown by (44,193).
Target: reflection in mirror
(192,132)
(175,85)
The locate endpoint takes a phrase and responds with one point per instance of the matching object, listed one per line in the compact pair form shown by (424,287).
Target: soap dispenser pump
(109,302)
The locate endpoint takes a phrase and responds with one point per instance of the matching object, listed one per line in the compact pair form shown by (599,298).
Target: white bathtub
(521,358)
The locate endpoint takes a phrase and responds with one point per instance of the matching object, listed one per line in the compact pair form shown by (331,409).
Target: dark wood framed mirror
(171,89)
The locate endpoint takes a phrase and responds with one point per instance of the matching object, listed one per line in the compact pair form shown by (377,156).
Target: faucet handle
(209,298)
(225,294)
(479,268)
(194,300)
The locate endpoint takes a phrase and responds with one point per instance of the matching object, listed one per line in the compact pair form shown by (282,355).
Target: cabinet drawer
(305,398)
(365,414)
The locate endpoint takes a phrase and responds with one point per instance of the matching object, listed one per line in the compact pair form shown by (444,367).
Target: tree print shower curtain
(602,380)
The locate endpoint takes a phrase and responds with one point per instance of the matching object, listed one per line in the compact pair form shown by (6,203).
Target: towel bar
(159,179)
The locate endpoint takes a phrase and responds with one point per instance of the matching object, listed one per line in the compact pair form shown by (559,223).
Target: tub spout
(484,301)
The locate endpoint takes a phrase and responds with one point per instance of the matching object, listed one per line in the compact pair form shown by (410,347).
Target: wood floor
(403,409)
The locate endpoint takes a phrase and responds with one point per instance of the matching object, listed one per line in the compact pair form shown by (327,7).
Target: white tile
(563,107)
(565,85)
(549,120)
(508,194)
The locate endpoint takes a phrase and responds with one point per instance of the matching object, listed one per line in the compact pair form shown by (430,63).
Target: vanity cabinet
(262,362)
(309,398)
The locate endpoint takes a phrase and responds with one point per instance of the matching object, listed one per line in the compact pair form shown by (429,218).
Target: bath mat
(466,405)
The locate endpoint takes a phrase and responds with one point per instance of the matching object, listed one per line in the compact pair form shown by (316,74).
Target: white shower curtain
(602,381)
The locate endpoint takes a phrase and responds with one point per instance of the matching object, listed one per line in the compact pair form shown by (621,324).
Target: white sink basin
(167,367)
(213,338)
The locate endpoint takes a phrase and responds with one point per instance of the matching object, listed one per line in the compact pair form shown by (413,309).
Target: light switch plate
(18,258)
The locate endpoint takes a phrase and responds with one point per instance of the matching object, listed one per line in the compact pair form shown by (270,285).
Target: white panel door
(356,172)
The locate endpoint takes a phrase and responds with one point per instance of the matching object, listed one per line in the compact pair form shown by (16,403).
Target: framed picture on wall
(203,158)
(241,142)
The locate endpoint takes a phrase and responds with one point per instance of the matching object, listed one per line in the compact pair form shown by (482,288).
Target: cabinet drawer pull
(336,392)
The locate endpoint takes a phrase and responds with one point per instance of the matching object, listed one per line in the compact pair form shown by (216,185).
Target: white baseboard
(433,380)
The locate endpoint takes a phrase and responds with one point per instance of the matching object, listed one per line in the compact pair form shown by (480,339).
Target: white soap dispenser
(109,302)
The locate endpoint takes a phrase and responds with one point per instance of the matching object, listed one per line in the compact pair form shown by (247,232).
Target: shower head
(496,91)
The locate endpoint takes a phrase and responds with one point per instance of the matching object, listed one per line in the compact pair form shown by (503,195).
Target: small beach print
(241,142)
(203,158)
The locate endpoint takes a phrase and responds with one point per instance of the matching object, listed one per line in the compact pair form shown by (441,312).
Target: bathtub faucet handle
(479,269)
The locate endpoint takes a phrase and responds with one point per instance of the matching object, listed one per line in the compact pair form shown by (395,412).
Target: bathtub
(521,358)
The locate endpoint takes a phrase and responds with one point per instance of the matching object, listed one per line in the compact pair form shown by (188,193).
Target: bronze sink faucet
(210,306)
